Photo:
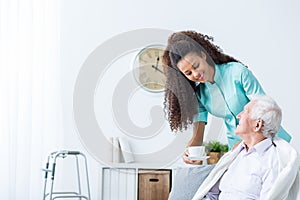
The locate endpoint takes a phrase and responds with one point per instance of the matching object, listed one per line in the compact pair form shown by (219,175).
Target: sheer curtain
(30,98)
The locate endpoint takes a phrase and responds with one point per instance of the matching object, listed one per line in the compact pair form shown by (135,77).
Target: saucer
(198,158)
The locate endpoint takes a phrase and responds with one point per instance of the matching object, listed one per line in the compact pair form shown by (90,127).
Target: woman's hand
(186,159)
(196,140)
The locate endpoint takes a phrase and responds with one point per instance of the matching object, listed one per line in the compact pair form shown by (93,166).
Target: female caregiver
(201,79)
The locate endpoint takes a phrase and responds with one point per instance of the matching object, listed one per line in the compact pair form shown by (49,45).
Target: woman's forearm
(198,132)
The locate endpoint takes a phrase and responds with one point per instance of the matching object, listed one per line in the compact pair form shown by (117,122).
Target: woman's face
(195,68)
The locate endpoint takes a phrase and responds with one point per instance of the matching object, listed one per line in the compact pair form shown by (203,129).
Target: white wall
(262,34)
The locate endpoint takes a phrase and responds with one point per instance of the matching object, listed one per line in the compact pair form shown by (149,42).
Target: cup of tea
(196,152)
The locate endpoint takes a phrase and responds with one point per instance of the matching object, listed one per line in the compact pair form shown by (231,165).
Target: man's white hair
(266,109)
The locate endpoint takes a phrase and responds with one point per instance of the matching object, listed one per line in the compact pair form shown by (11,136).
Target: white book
(115,150)
(126,150)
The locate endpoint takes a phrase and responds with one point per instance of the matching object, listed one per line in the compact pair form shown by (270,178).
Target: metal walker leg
(51,161)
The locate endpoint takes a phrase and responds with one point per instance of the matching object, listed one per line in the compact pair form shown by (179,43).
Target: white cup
(196,151)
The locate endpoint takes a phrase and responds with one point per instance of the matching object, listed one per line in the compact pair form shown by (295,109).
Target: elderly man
(261,166)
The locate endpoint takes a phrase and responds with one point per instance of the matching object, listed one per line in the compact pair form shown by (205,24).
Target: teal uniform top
(226,97)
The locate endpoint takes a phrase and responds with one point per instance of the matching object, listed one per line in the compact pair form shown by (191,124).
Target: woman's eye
(195,65)
(188,73)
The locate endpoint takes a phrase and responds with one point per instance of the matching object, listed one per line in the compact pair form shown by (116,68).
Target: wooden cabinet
(154,184)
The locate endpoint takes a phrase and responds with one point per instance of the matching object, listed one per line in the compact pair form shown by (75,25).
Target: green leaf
(216,146)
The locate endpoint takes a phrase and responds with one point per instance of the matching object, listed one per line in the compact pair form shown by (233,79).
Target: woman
(201,79)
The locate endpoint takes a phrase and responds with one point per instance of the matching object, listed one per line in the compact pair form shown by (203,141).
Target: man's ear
(258,125)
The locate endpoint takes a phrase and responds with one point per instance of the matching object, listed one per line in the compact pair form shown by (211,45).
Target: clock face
(149,72)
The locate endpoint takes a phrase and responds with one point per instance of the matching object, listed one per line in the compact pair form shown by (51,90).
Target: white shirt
(250,175)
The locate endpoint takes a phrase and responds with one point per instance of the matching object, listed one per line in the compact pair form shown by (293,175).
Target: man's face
(246,124)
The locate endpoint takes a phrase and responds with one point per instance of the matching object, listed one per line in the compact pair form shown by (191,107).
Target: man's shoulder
(281,142)
(285,150)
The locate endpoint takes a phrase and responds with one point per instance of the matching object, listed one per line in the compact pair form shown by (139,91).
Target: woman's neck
(212,73)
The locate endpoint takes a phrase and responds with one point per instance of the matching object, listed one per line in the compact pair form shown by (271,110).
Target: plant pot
(214,157)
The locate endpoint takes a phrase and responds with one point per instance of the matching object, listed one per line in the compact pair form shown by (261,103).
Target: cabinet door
(154,184)
(119,184)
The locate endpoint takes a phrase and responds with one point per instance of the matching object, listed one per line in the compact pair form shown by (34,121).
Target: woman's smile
(195,68)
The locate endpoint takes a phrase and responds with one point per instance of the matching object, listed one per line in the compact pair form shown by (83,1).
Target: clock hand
(157,69)
(157,62)
(156,66)
(160,71)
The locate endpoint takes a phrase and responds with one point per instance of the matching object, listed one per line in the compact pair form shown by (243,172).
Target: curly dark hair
(180,101)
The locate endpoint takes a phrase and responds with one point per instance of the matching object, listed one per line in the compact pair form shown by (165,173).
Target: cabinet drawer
(154,184)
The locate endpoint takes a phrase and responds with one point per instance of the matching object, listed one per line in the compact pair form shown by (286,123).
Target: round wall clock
(148,68)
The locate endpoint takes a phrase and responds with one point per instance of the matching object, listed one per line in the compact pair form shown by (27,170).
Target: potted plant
(215,150)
